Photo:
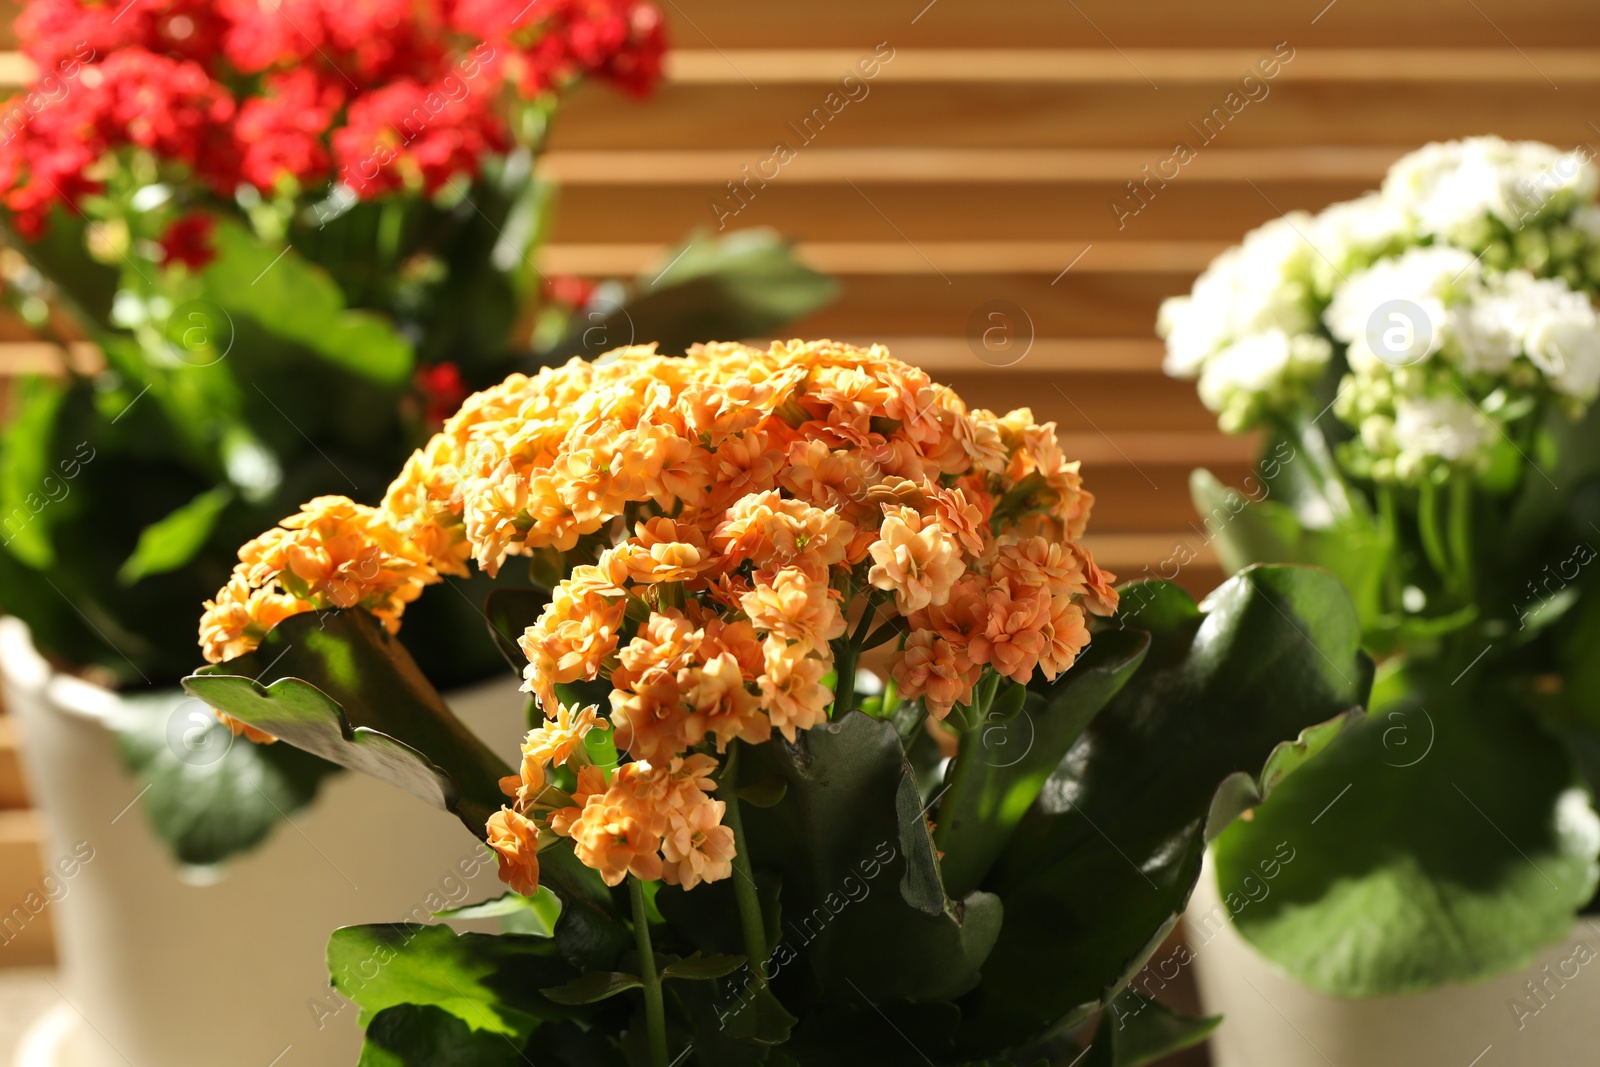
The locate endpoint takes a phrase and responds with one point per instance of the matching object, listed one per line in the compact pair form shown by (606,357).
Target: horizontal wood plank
(1110,66)
(995,166)
(902,256)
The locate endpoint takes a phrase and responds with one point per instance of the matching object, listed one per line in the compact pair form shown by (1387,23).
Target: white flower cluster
(1440,350)
(1248,331)
(1459,289)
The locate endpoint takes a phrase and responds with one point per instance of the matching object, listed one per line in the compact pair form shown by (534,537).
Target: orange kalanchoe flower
(734,527)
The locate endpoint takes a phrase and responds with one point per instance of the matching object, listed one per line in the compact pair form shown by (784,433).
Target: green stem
(967,752)
(1390,524)
(891,699)
(654,1007)
(744,879)
(1428,528)
(845,655)
(1461,532)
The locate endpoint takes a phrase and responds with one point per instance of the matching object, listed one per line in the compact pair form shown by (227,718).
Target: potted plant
(718,848)
(1421,364)
(281,242)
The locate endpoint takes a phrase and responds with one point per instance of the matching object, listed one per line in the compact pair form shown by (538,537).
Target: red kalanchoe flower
(408,136)
(367,43)
(54,32)
(443,389)
(282,133)
(569,290)
(188,241)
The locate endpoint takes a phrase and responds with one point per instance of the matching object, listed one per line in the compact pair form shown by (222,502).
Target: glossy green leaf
(420,1035)
(1245,531)
(534,915)
(871,880)
(349,692)
(1013,754)
(702,968)
(174,541)
(1099,870)
(1446,839)
(490,982)
(1140,1030)
(208,794)
(593,987)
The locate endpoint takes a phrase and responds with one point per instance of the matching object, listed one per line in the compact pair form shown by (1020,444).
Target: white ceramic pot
(1543,1016)
(161,971)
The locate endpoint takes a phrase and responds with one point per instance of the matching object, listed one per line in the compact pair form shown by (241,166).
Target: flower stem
(1461,532)
(654,1007)
(744,879)
(1428,528)
(967,753)
(845,655)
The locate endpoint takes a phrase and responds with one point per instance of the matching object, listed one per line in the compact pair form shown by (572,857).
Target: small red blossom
(569,290)
(443,389)
(188,241)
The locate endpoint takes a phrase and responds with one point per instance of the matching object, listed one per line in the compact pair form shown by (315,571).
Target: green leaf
(349,692)
(1446,839)
(209,795)
(418,1035)
(169,544)
(763,794)
(593,987)
(862,901)
(1244,532)
(1014,754)
(745,284)
(1097,873)
(295,299)
(487,981)
(28,484)
(534,915)
(702,968)
(1141,1030)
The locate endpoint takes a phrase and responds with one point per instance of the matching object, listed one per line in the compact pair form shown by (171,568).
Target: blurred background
(1005,202)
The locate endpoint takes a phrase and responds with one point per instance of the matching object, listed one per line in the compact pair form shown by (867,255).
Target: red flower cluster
(380,95)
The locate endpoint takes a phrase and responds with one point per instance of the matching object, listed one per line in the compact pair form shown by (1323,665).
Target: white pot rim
(30,672)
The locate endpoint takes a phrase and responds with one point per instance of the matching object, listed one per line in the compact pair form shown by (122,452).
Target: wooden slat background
(982,164)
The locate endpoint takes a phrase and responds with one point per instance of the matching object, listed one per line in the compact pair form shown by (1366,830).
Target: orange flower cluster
(646,820)
(723,521)
(333,554)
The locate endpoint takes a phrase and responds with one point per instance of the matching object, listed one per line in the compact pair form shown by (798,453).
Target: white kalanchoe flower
(1395,313)
(1349,236)
(1468,275)
(1450,190)
(1246,312)
(1450,428)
